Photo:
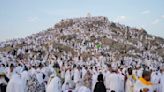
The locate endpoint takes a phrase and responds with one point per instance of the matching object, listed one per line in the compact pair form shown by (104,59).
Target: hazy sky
(20,18)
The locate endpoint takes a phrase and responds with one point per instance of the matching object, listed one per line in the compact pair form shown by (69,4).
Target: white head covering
(17,70)
(114,66)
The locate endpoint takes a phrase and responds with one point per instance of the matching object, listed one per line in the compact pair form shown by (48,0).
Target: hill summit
(88,37)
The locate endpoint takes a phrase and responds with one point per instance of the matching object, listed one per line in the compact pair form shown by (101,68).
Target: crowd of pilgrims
(88,76)
(36,68)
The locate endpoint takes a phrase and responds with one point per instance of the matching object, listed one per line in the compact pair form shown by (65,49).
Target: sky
(21,18)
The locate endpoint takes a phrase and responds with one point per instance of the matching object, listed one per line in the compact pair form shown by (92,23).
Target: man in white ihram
(113,80)
(54,84)
(16,83)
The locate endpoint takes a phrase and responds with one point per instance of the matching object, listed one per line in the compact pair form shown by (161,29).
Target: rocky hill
(89,37)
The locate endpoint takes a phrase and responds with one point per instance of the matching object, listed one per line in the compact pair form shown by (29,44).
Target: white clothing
(76,75)
(54,85)
(84,89)
(114,82)
(139,86)
(15,84)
